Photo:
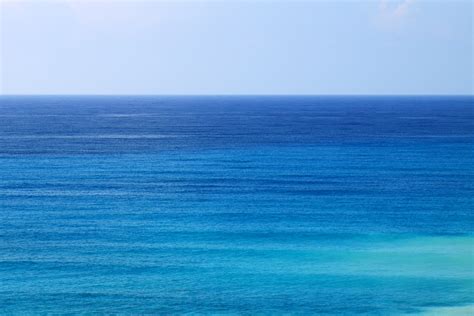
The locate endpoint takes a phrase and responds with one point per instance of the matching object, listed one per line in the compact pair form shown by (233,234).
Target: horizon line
(233,95)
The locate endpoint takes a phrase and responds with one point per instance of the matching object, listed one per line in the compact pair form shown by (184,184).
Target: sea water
(236,205)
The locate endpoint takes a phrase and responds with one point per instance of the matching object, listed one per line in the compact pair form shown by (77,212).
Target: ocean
(236,205)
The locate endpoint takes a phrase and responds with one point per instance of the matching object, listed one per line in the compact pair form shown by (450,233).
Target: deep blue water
(241,205)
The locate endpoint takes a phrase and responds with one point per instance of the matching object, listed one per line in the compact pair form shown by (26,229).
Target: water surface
(271,205)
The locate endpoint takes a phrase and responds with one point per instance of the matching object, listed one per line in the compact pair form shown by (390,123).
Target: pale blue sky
(236,47)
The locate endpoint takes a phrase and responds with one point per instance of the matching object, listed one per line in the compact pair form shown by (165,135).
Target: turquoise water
(242,205)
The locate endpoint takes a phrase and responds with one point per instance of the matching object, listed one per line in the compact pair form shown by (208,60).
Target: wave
(99,136)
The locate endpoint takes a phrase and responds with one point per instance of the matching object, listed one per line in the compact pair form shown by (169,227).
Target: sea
(236,205)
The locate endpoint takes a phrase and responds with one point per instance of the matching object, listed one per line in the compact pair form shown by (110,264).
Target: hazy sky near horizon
(236,47)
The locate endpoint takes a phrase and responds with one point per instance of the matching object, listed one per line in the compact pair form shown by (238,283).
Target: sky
(236,47)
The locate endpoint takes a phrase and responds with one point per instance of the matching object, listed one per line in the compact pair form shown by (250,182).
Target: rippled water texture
(244,205)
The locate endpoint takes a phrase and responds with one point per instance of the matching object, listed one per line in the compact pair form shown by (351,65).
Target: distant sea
(236,205)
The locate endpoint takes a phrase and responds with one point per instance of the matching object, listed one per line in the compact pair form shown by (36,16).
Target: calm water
(242,205)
